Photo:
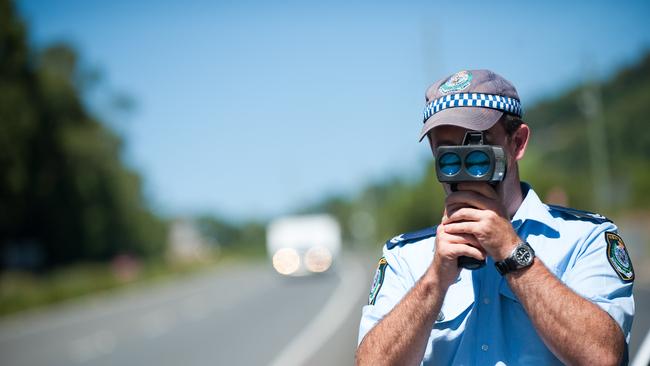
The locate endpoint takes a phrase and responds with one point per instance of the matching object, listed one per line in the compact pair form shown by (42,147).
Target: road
(234,315)
(241,314)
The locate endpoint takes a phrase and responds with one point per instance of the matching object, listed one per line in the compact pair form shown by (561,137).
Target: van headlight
(286,261)
(318,259)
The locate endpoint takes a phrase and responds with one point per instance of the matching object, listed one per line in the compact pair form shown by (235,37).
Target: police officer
(557,284)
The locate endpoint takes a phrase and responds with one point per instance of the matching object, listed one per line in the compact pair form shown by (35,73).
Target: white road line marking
(121,302)
(642,357)
(157,323)
(327,321)
(91,346)
(195,308)
(93,306)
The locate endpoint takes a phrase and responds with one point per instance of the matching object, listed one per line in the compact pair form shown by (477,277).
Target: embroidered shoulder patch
(377,281)
(618,257)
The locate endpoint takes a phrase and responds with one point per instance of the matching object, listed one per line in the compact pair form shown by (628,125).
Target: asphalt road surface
(234,315)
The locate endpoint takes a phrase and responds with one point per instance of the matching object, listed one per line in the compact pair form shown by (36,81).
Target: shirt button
(485,347)
(441,317)
(486,300)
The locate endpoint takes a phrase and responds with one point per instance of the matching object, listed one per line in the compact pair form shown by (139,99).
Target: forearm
(577,331)
(400,338)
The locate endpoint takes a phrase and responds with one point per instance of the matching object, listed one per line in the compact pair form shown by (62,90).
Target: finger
(461,239)
(465,214)
(464,227)
(459,250)
(445,215)
(451,209)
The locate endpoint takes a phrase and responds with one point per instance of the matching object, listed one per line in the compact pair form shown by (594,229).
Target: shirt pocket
(524,345)
(511,307)
(506,292)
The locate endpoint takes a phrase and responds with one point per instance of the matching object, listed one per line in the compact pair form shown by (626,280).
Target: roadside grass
(20,290)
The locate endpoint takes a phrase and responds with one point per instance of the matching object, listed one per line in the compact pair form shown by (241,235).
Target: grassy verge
(24,290)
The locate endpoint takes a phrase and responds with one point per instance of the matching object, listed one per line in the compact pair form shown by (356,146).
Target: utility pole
(592,109)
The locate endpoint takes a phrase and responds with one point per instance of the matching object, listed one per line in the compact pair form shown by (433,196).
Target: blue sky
(256,108)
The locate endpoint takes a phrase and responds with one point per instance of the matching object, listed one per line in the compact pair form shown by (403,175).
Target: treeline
(590,144)
(65,195)
(244,239)
(594,141)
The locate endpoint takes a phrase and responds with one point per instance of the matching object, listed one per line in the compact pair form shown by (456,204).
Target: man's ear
(519,141)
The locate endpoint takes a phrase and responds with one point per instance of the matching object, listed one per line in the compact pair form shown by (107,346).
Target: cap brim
(473,118)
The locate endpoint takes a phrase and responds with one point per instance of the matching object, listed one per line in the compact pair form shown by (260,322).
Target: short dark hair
(510,123)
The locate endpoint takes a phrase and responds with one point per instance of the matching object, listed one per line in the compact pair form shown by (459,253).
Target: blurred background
(146,147)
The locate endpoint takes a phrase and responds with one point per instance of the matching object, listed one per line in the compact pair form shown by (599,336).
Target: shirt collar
(532,208)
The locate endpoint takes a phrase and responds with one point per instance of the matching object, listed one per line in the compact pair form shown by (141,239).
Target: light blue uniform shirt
(481,321)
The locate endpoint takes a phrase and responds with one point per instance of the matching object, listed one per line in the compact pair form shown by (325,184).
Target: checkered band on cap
(498,102)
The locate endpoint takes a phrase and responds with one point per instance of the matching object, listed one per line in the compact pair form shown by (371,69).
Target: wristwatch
(521,257)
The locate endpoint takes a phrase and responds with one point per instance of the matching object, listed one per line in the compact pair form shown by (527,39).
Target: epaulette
(574,214)
(403,239)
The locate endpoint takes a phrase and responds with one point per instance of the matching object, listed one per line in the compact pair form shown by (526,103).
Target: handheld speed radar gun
(473,161)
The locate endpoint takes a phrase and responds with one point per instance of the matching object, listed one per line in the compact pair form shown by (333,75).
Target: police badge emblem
(618,257)
(456,82)
(377,281)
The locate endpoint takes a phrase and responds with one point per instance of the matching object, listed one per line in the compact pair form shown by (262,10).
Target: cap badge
(457,82)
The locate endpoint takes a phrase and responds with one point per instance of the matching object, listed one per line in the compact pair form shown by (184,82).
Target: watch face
(523,256)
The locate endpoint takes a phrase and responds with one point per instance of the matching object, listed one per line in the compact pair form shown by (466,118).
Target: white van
(301,245)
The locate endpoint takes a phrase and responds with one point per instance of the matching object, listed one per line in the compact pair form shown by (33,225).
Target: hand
(447,250)
(476,210)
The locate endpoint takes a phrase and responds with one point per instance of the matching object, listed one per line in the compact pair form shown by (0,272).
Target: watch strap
(510,264)
(502,267)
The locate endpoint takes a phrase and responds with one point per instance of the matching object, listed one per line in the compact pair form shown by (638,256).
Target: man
(557,284)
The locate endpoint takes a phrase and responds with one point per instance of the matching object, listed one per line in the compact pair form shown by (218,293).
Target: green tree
(559,155)
(65,194)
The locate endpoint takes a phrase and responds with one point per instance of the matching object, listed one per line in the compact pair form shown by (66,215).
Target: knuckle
(493,217)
